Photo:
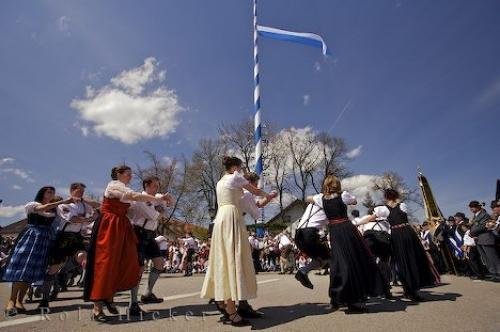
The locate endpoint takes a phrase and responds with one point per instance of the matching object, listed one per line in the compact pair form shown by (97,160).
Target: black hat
(475,204)
(450,218)
(460,215)
(495,203)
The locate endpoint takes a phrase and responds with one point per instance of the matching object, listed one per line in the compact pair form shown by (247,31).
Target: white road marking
(38,318)
(183,296)
(19,321)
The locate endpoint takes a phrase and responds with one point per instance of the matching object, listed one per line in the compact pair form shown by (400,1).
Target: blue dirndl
(29,258)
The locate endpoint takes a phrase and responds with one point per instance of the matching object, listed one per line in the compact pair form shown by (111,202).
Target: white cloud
(129,109)
(6,160)
(11,211)
(360,185)
(354,153)
(317,66)
(17,187)
(85,131)
(306,99)
(63,24)
(19,173)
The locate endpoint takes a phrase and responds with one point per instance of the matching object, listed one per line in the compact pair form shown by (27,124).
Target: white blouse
(117,189)
(30,208)
(235,181)
(347,198)
(249,206)
(144,214)
(67,211)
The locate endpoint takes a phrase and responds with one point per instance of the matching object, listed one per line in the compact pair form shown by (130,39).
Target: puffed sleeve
(117,189)
(30,207)
(237,180)
(348,198)
(318,200)
(249,205)
(382,212)
(403,207)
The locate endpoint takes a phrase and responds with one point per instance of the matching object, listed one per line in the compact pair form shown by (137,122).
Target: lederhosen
(309,242)
(66,244)
(147,247)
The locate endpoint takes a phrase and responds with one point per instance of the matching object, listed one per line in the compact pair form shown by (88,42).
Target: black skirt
(354,274)
(414,268)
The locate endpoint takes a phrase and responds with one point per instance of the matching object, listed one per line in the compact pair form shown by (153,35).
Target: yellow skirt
(230,274)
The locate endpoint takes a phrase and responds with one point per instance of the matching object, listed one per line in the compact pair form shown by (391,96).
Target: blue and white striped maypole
(256,96)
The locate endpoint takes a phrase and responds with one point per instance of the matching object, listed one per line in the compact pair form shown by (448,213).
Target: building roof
(14,228)
(295,204)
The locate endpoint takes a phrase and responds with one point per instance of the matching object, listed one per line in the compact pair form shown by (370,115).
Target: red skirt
(112,263)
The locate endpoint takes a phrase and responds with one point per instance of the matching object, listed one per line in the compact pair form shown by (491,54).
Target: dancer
(353,272)
(231,276)
(190,246)
(376,231)
(414,268)
(69,241)
(28,260)
(112,263)
(251,206)
(145,217)
(308,241)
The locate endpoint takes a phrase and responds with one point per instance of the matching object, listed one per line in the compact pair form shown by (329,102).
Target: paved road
(458,305)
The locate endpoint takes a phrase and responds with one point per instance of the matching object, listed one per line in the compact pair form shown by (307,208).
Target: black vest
(335,208)
(38,220)
(396,216)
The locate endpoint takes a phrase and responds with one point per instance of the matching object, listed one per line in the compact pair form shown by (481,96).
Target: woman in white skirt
(231,276)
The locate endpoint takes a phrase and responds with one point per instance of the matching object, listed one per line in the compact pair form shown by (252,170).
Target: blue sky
(421,80)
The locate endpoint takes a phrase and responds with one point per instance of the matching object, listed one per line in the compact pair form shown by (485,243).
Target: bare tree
(303,150)
(238,137)
(392,180)
(368,201)
(279,163)
(207,168)
(332,159)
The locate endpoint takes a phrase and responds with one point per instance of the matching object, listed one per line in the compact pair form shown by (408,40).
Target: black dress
(412,263)
(354,274)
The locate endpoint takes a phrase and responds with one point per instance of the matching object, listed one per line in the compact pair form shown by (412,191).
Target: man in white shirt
(308,241)
(163,245)
(285,246)
(68,244)
(190,246)
(145,217)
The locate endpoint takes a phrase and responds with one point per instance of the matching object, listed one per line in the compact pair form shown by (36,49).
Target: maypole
(256,96)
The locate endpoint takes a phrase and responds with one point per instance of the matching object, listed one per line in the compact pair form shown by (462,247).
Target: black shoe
(415,297)
(237,323)
(151,298)
(304,279)
(111,308)
(356,309)
(43,304)
(249,312)
(135,310)
(333,307)
(100,317)
(53,295)
(10,312)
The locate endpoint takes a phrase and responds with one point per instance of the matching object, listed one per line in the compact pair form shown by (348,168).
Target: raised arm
(258,192)
(50,206)
(365,220)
